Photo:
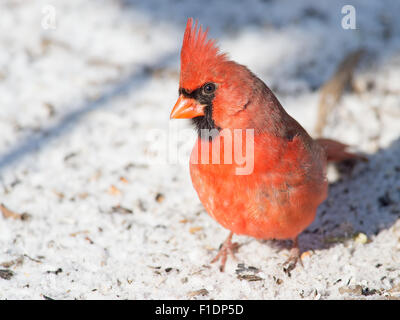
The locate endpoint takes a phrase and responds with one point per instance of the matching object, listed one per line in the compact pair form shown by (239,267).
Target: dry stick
(332,90)
(7,213)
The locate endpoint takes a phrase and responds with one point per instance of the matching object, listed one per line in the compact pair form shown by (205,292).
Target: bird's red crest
(200,57)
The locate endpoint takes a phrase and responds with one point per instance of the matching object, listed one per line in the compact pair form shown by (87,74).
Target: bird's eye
(209,88)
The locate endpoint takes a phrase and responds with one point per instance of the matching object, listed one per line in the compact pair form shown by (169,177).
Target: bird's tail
(336,151)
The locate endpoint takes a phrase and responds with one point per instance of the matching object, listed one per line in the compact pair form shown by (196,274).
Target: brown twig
(332,90)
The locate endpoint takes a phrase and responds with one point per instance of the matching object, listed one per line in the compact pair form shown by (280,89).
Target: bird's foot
(225,248)
(294,257)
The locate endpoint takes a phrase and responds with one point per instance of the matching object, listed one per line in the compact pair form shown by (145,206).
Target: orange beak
(186,108)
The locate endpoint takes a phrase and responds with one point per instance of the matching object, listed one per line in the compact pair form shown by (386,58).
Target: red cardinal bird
(279,198)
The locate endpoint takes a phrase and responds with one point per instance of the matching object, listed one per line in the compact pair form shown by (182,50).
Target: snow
(81,105)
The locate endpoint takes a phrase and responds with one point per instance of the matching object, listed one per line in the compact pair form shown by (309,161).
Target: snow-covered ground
(84,122)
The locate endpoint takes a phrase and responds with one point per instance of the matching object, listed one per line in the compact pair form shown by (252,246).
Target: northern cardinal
(279,198)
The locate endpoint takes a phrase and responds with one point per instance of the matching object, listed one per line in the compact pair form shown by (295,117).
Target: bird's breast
(278,199)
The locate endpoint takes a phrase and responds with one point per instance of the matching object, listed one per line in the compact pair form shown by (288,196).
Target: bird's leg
(225,248)
(294,257)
